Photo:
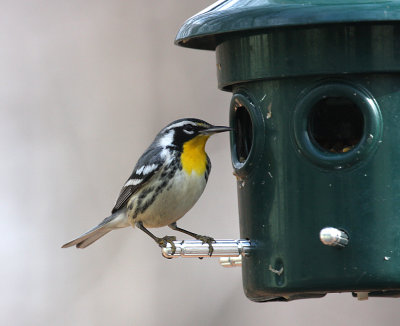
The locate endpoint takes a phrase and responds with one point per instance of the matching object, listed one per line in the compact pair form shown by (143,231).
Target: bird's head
(188,131)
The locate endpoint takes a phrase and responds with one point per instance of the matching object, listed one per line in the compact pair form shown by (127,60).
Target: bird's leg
(162,242)
(202,238)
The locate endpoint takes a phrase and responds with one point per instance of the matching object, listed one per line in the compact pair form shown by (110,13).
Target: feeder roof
(212,25)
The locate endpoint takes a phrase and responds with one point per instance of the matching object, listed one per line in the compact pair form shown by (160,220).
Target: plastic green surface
(213,25)
(316,111)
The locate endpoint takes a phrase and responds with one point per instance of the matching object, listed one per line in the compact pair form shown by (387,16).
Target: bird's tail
(116,220)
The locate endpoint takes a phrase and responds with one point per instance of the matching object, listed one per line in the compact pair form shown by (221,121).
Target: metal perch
(229,251)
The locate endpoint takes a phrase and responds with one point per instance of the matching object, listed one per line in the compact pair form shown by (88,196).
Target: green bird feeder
(316,145)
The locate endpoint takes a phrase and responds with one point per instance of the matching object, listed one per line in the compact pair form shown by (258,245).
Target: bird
(166,182)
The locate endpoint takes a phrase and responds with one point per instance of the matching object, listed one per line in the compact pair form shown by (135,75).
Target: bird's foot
(162,242)
(208,240)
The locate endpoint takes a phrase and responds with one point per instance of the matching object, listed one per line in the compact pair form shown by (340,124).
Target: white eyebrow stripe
(140,170)
(132,182)
(182,123)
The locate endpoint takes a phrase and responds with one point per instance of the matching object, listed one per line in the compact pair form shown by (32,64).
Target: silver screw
(334,237)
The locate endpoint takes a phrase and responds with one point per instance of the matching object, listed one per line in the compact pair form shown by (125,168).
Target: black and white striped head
(180,131)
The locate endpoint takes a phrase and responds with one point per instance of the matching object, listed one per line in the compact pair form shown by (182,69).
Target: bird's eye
(189,129)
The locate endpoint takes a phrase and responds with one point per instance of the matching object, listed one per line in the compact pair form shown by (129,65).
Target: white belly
(173,202)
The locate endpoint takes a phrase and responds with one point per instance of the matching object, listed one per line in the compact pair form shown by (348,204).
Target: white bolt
(330,236)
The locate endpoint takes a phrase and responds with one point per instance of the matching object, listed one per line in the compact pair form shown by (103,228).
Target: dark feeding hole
(243,133)
(336,124)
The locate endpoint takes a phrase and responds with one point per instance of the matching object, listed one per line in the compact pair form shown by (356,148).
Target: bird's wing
(147,166)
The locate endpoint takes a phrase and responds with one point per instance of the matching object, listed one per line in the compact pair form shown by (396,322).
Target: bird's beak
(215,129)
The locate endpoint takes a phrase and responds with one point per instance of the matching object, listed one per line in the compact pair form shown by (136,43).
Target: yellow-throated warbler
(166,182)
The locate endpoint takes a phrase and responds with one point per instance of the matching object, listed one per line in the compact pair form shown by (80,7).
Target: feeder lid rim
(205,29)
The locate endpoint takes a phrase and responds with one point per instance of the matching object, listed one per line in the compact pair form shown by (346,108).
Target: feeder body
(316,112)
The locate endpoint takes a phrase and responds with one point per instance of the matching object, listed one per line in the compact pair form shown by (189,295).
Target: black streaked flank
(208,168)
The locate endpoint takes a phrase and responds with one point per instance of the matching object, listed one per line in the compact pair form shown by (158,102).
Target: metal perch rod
(197,249)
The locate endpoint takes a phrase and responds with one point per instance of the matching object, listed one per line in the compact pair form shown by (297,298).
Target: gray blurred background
(84,88)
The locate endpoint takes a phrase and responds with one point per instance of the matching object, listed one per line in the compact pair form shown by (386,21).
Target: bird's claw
(162,242)
(209,241)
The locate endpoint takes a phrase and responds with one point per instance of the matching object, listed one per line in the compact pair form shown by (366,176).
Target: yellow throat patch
(194,157)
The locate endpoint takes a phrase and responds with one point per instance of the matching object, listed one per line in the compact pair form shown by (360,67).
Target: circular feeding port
(243,133)
(335,124)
